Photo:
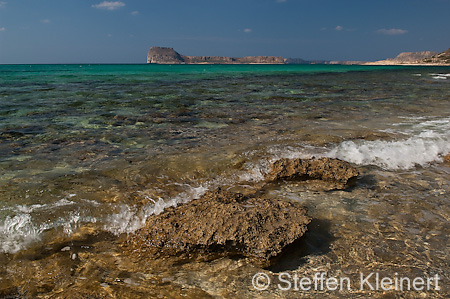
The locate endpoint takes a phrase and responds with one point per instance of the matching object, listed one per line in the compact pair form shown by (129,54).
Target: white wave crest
(430,141)
(129,218)
(22,228)
(17,232)
(440,76)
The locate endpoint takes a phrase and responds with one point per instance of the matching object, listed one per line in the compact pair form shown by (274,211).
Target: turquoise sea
(88,152)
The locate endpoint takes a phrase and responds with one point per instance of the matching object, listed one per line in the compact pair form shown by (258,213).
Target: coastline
(407,64)
(164,55)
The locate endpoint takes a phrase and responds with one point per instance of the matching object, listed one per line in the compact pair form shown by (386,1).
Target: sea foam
(440,76)
(430,141)
(18,232)
(20,229)
(128,218)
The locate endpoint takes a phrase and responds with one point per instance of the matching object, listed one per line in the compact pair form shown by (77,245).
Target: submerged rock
(224,221)
(334,171)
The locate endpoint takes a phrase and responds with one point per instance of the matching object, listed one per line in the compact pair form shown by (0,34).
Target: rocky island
(161,55)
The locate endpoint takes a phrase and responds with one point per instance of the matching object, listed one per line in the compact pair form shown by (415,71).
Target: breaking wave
(429,142)
(440,76)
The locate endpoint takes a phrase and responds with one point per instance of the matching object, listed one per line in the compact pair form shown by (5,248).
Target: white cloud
(109,5)
(247,30)
(2,29)
(46,21)
(392,31)
(134,13)
(338,28)
(109,35)
(3,4)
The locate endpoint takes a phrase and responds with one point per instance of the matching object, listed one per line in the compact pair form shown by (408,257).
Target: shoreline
(407,64)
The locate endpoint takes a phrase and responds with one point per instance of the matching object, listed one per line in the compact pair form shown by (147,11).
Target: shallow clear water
(87,152)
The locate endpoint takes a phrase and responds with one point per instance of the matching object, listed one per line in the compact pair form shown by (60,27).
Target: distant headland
(164,55)
(416,58)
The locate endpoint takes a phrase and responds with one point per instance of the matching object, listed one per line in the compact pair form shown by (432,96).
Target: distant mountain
(411,57)
(161,55)
(442,58)
(406,58)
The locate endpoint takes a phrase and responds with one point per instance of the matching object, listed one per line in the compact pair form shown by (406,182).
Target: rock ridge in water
(337,173)
(162,55)
(223,221)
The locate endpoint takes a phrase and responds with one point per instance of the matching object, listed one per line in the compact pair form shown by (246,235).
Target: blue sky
(97,31)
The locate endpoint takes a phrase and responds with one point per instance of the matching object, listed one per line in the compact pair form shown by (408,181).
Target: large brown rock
(222,220)
(337,172)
